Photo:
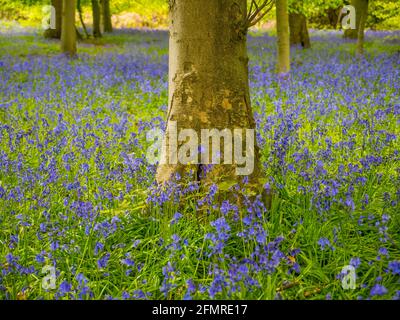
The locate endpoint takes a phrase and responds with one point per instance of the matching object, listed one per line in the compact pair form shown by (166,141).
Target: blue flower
(191,288)
(394,266)
(378,290)
(125,295)
(355,262)
(54,245)
(98,248)
(176,218)
(128,262)
(64,288)
(328,296)
(102,262)
(324,242)
(139,294)
(383,251)
(40,258)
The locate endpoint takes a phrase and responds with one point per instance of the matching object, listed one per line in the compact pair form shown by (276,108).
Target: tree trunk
(79,6)
(55,33)
(208,86)
(333,16)
(282,26)
(68,32)
(107,25)
(298,30)
(96,18)
(361,27)
(361,7)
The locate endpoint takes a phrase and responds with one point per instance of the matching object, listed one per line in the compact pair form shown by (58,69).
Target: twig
(259,12)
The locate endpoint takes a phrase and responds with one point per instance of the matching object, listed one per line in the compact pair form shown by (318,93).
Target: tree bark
(208,83)
(361,27)
(282,26)
(361,7)
(333,16)
(96,18)
(68,31)
(55,33)
(298,30)
(81,19)
(107,25)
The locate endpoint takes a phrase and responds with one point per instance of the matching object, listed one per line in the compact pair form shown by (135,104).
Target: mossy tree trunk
(361,27)
(68,31)
(96,18)
(299,30)
(55,33)
(282,26)
(298,25)
(106,13)
(361,7)
(208,82)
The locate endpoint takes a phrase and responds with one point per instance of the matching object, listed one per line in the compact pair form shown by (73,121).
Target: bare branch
(259,12)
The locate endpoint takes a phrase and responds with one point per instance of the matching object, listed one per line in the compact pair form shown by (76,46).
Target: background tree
(106,14)
(208,79)
(282,27)
(298,25)
(79,7)
(55,33)
(361,7)
(96,18)
(68,31)
(361,26)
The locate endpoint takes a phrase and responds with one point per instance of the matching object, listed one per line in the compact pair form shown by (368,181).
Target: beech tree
(282,27)
(106,13)
(298,24)
(208,82)
(361,7)
(96,18)
(361,27)
(68,31)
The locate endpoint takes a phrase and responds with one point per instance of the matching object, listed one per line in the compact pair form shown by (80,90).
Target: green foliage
(139,6)
(384,14)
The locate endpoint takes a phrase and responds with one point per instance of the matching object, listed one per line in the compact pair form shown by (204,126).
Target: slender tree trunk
(79,6)
(96,18)
(361,7)
(68,31)
(55,33)
(107,25)
(282,26)
(298,30)
(78,34)
(361,27)
(208,83)
(333,16)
